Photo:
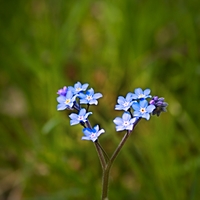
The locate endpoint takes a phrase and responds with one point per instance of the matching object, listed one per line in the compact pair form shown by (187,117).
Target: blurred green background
(115,46)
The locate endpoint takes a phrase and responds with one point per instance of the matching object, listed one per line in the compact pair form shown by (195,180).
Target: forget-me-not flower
(124,123)
(142,109)
(140,94)
(66,102)
(78,87)
(92,134)
(90,97)
(81,117)
(124,103)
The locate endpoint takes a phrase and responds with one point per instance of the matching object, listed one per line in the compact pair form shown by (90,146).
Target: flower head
(124,123)
(78,87)
(66,102)
(140,94)
(160,105)
(92,134)
(78,118)
(142,109)
(62,91)
(124,103)
(90,97)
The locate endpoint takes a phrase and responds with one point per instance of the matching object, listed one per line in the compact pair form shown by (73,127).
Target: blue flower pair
(134,105)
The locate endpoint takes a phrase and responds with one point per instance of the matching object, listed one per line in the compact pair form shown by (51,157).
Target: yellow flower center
(67,101)
(78,89)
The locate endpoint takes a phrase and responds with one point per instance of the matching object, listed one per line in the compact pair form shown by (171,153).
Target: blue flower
(142,109)
(66,102)
(124,103)
(124,123)
(89,97)
(78,87)
(81,117)
(140,94)
(92,134)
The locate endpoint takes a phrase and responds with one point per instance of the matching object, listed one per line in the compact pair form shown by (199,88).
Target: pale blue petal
(61,99)
(84,86)
(93,101)
(73,116)
(136,106)
(74,122)
(138,91)
(126,116)
(90,91)
(147,92)
(120,100)
(82,96)
(97,95)
(87,131)
(87,114)
(150,108)
(120,128)
(85,138)
(143,103)
(129,96)
(100,132)
(118,121)
(129,127)
(119,107)
(96,128)
(61,106)
(133,120)
(134,96)
(82,112)
(83,101)
(146,116)
(69,94)
(137,113)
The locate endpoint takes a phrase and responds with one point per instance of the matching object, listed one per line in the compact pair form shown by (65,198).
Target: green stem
(105,181)
(100,154)
(98,148)
(106,170)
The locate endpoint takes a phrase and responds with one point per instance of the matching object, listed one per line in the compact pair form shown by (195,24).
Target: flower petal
(118,121)
(147,92)
(97,95)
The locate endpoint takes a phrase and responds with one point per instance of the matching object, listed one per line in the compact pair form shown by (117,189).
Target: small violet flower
(62,91)
(142,109)
(66,102)
(89,97)
(78,118)
(140,94)
(124,123)
(92,134)
(124,103)
(160,105)
(78,87)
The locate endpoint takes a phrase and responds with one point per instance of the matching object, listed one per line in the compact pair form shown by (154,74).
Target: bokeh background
(115,46)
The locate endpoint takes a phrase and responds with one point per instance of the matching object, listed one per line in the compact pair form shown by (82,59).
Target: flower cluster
(72,98)
(135,106)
